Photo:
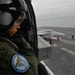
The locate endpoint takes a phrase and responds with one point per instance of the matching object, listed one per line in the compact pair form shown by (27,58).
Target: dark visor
(23,15)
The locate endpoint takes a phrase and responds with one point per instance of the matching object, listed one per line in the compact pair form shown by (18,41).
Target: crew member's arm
(8,59)
(27,51)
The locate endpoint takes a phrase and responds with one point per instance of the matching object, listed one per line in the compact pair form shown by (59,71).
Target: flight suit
(6,55)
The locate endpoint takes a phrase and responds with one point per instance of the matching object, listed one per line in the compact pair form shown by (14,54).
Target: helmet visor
(23,15)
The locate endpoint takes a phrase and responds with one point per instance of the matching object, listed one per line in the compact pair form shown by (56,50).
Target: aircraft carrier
(62,60)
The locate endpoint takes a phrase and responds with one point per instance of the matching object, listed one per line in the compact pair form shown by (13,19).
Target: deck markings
(68,42)
(67,50)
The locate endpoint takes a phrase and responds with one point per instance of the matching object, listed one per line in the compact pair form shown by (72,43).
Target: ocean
(68,21)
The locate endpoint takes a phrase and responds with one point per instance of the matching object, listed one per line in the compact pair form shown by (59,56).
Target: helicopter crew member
(16,55)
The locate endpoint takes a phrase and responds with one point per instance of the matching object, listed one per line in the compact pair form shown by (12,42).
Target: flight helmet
(9,12)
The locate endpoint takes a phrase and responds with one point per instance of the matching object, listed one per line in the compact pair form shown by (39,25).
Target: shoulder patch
(20,63)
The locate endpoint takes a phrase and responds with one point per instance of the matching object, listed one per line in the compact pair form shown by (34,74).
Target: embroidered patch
(20,63)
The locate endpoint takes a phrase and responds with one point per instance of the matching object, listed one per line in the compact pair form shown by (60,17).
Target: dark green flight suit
(6,54)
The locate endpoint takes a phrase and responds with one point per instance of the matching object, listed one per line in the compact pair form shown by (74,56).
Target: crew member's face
(15,27)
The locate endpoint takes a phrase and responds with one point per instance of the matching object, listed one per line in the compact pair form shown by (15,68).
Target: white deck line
(67,50)
(68,42)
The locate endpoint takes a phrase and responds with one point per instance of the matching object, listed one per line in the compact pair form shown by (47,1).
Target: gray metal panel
(42,43)
(45,49)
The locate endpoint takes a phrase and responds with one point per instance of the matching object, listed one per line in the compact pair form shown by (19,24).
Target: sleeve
(28,52)
(6,54)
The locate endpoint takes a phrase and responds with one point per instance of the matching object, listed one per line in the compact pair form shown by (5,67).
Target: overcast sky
(53,8)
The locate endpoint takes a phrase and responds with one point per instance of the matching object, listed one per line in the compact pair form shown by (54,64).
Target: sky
(53,8)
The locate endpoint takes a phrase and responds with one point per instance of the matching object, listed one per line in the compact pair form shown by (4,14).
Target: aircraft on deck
(48,33)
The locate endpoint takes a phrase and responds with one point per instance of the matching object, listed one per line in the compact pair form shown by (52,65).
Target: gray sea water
(68,21)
